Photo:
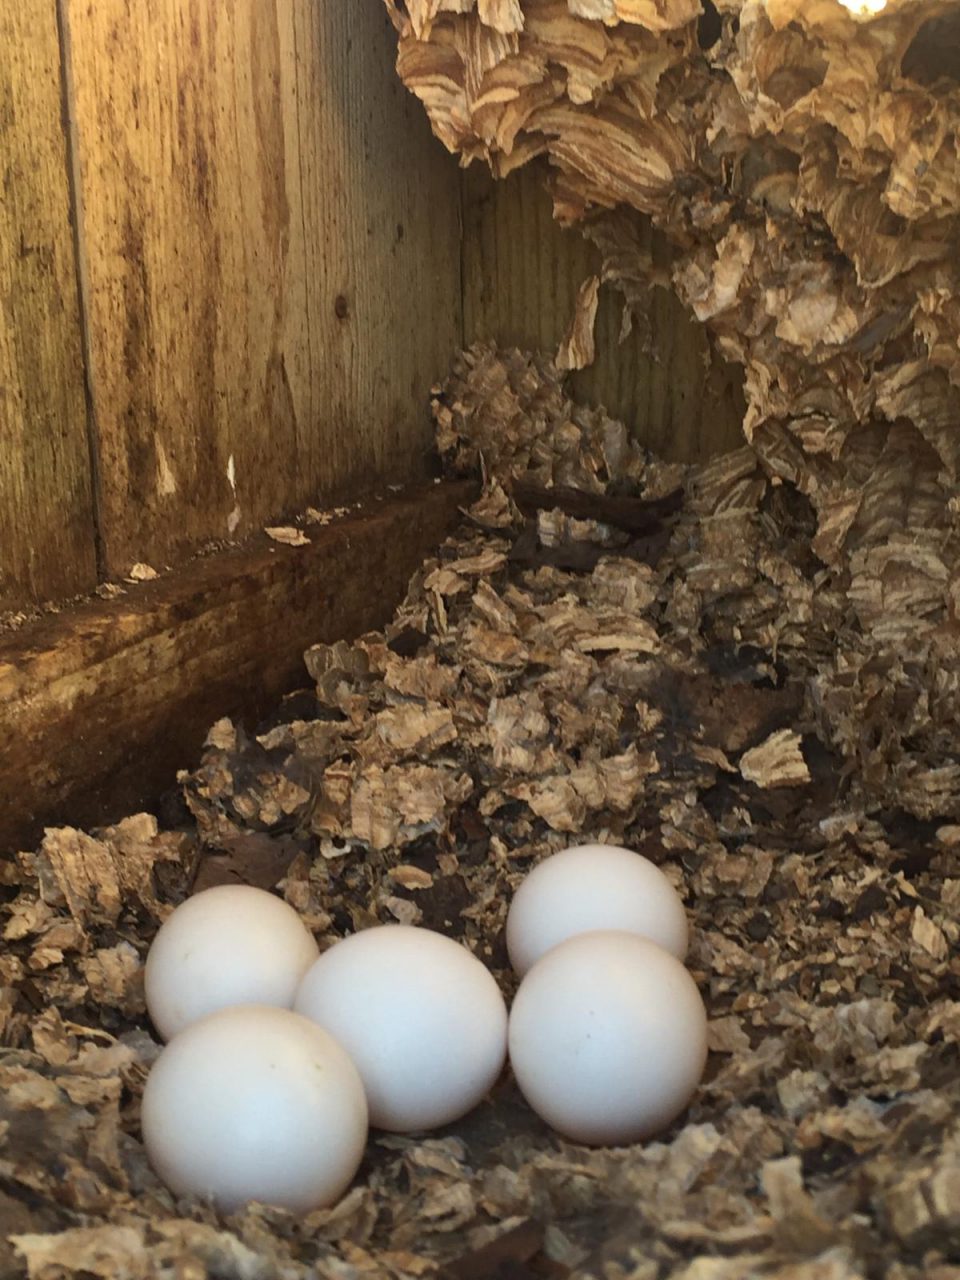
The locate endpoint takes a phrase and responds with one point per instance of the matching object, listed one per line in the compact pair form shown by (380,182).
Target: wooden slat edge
(101,705)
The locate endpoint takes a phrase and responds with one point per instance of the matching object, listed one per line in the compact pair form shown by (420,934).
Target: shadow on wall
(522,273)
(934,53)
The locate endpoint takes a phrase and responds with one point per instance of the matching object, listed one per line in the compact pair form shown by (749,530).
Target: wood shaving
(778,750)
(289,536)
(776,762)
(578,348)
(799,165)
(142,573)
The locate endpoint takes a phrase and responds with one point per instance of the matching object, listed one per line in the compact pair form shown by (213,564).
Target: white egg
(421,1017)
(228,945)
(255,1103)
(608,1038)
(593,886)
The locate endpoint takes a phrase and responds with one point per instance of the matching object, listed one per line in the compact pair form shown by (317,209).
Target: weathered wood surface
(382,269)
(272,262)
(521,276)
(101,705)
(46,516)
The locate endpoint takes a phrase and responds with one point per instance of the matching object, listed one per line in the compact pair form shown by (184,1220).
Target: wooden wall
(231,266)
(521,275)
(46,496)
(268,251)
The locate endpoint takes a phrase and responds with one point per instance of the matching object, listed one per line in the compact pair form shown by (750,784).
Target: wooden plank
(47,544)
(521,276)
(99,706)
(264,215)
(381,203)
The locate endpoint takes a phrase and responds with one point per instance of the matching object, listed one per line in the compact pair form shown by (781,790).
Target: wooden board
(46,509)
(101,705)
(382,269)
(521,276)
(271,244)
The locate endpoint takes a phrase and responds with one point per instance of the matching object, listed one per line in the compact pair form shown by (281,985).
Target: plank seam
(461,219)
(308,323)
(72,160)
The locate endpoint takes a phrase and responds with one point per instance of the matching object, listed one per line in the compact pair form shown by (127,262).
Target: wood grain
(47,544)
(101,705)
(381,201)
(522,273)
(264,220)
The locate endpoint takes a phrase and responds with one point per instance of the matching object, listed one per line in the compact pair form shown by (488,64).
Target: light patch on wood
(166,481)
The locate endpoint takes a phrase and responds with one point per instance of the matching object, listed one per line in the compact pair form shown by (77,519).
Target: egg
(608,1038)
(255,1103)
(593,886)
(420,1015)
(225,946)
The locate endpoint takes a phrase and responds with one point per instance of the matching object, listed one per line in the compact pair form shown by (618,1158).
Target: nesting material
(803,165)
(683,678)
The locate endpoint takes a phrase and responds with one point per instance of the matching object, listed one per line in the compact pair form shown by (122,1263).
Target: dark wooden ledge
(101,704)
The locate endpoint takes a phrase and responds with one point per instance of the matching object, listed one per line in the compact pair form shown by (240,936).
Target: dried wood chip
(578,348)
(776,762)
(142,573)
(726,1035)
(928,935)
(288,535)
(115,1253)
(409,877)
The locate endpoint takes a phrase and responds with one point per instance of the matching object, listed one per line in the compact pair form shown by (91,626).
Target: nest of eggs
(644,655)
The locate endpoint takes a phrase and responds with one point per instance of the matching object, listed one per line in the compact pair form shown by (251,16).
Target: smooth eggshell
(229,945)
(608,1038)
(421,1017)
(593,886)
(255,1103)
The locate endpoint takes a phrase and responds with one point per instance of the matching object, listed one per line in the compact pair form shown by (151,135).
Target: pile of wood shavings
(802,164)
(692,683)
